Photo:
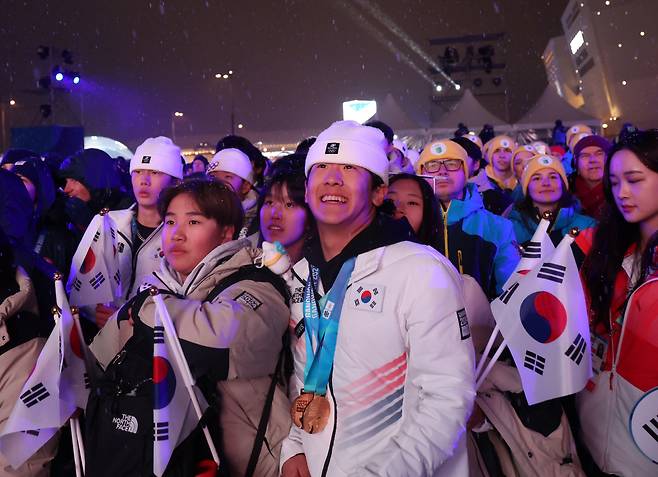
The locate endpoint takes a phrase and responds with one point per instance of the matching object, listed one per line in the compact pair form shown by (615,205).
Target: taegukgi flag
(543,318)
(57,386)
(540,246)
(173,416)
(95,276)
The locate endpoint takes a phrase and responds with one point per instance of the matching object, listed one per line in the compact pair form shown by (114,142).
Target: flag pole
(80,444)
(179,357)
(76,449)
(491,364)
(487,349)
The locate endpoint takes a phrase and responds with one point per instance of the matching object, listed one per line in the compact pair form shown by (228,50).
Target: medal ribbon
(321,330)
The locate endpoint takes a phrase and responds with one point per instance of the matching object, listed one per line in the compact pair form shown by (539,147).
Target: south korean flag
(95,276)
(539,246)
(173,416)
(55,388)
(543,318)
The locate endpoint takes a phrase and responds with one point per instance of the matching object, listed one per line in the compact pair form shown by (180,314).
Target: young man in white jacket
(156,165)
(383,380)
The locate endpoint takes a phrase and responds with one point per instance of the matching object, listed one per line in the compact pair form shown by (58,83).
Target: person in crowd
(259,162)
(499,169)
(423,362)
(520,158)
(541,147)
(154,166)
(92,183)
(395,149)
(557,152)
(476,241)
(199,163)
(11,156)
(620,272)
(188,171)
(283,213)
(22,336)
(577,130)
(544,185)
(559,134)
(462,130)
(233,167)
(414,199)
(587,180)
(230,317)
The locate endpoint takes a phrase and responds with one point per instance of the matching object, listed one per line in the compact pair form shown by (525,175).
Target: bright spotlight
(457,87)
(59,76)
(76,79)
(438,88)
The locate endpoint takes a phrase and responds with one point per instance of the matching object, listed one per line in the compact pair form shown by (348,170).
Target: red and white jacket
(627,370)
(402,383)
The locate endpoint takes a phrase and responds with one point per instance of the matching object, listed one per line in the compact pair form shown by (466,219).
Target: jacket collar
(172,279)
(471,203)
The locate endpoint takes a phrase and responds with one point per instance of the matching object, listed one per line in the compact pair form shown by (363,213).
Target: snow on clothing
(494,199)
(478,242)
(627,371)
(567,218)
(232,343)
(402,386)
(18,357)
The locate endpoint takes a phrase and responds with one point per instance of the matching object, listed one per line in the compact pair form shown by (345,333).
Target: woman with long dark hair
(622,279)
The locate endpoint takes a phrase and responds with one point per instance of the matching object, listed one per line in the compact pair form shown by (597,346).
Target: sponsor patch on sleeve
(249,300)
(462,320)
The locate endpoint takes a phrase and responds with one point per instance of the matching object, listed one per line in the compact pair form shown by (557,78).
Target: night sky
(294,62)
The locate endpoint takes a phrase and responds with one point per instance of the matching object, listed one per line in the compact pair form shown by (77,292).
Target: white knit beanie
(348,142)
(234,161)
(158,154)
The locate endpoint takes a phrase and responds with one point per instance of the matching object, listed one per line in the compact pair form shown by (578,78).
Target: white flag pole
(179,357)
(487,349)
(80,444)
(491,364)
(76,449)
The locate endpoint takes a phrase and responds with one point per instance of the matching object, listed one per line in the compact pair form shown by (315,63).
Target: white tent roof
(392,114)
(469,111)
(549,107)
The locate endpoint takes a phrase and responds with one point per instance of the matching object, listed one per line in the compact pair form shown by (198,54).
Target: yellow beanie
(576,138)
(524,148)
(442,149)
(577,129)
(538,162)
(499,142)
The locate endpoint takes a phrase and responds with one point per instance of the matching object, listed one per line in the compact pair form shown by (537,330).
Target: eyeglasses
(451,165)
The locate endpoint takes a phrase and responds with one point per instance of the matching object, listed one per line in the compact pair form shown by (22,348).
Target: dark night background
(294,61)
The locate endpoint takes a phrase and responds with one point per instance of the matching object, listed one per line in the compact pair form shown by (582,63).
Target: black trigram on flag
(576,349)
(161,431)
(113,233)
(87,383)
(32,432)
(117,277)
(534,362)
(552,272)
(97,281)
(37,393)
(651,428)
(532,250)
(97,235)
(505,297)
(77,284)
(158,334)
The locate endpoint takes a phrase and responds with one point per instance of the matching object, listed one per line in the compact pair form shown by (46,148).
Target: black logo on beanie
(332,148)
(146,159)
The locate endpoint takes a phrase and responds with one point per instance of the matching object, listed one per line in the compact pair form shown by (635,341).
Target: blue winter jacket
(567,218)
(478,242)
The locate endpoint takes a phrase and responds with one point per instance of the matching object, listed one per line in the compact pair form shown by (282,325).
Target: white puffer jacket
(402,383)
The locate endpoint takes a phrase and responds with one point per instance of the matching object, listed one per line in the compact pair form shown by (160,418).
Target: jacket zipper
(445,232)
(327,460)
(459,262)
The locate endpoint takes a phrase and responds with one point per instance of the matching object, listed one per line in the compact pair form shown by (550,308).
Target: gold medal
(316,415)
(299,405)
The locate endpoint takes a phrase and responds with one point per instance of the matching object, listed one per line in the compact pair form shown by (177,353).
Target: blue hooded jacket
(478,243)
(567,218)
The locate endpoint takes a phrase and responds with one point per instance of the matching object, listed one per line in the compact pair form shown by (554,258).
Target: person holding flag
(383,380)
(230,317)
(132,236)
(618,409)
